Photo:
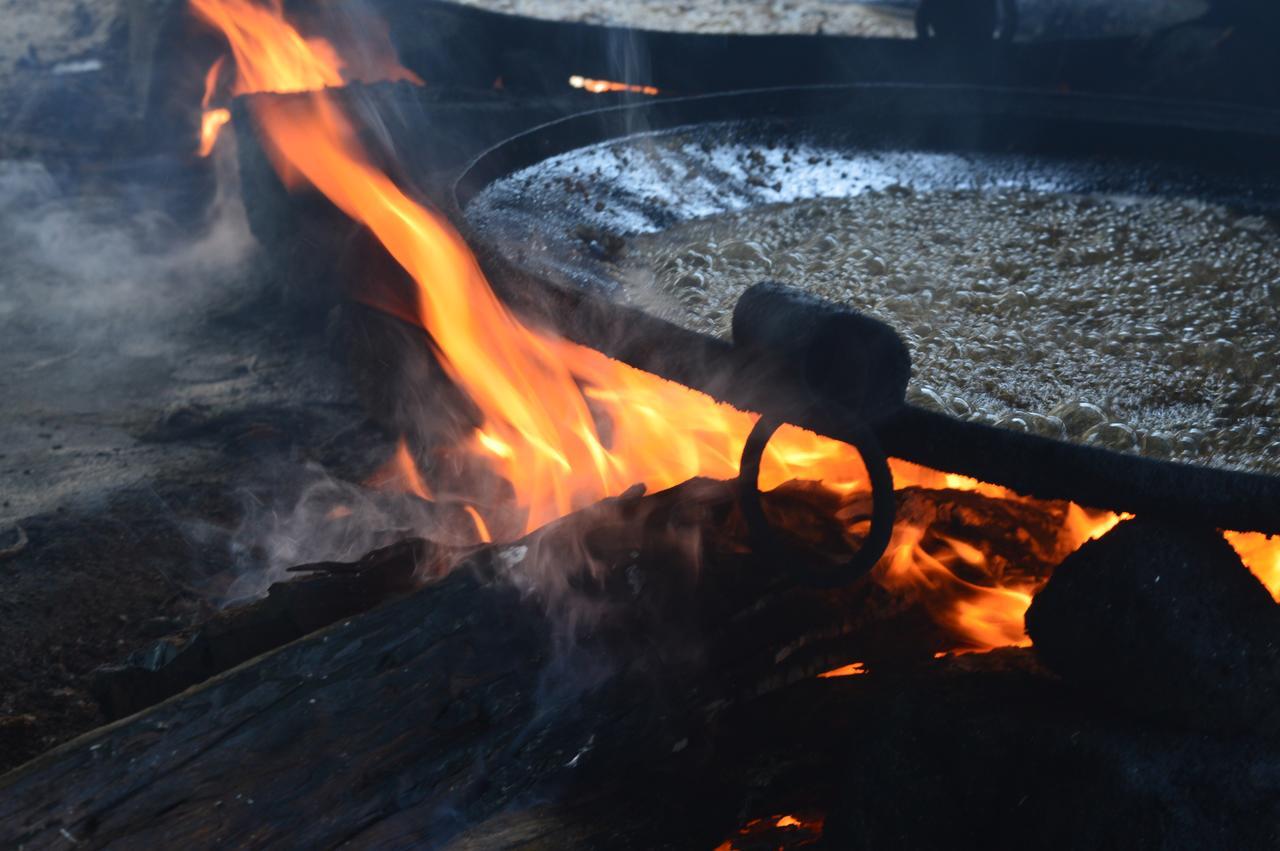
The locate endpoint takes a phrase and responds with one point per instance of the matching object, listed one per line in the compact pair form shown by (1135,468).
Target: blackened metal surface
(1065,143)
(837,356)
(448,43)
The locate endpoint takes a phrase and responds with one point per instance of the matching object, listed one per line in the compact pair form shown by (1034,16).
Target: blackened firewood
(988,751)
(1166,621)
(609,646)
(328,592)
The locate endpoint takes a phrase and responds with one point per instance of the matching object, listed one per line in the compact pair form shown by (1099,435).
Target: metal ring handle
(884,506)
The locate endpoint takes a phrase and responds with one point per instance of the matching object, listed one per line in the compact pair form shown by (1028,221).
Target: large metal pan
(529,236)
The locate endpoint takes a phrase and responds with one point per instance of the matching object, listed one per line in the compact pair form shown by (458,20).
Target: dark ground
(133,462)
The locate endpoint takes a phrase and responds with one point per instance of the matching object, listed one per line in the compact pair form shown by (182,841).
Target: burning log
(417,694)
(1166,621)
(618,636)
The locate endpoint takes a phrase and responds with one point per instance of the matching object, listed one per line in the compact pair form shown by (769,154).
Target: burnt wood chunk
(629,676)
(1164,620)
(325,593)
(989,751)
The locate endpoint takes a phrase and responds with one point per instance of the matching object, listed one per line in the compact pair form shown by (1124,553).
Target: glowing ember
(600,87)
(546,402)
(789,831)
(853,669)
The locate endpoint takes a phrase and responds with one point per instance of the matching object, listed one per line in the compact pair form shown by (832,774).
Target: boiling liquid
(1145,325)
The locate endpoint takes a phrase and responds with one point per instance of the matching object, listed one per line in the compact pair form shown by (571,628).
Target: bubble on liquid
(1138,324)
(1078,417)
(1116,436)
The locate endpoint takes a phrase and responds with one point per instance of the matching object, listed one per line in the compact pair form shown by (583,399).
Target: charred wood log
(988,751)
(427,712)
(997,751)
(1166,621)
(331,591)
(610,644)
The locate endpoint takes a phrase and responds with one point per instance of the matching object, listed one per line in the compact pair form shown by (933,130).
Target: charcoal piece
(1165,621)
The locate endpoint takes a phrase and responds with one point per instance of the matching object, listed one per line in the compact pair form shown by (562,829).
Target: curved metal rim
(1225,121)
(1097,477)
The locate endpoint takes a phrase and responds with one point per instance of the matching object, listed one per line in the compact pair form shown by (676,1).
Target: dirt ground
(155,391)
(54,32)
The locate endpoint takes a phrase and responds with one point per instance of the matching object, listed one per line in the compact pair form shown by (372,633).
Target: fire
(211,124)
(212,120)
(1261,554)
(482,528)
(400,474)
(271,56)
(564,424)
(600,87)
(853,669)
(796,831)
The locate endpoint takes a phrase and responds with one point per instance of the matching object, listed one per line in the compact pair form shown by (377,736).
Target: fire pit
(652,588)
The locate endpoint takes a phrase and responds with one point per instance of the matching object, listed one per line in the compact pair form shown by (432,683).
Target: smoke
(115,264)
(109,272)
(327,519)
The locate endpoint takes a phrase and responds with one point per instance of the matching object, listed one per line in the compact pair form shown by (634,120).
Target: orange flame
(801,831)
(211,124)
(1261,554)
(853,669)
(482,528)
(544,399)
(212,120)
(600,87)
(271,56)
(400,474)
